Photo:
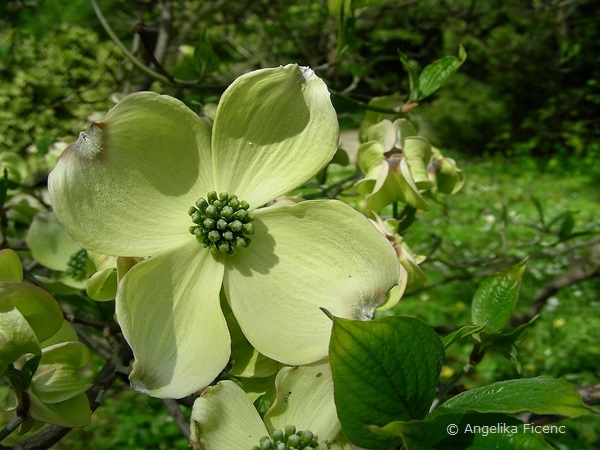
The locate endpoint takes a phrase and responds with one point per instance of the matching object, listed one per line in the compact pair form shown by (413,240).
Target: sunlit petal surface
(125,186)
(274,130)
(224,418)
(313,255)
(168,308)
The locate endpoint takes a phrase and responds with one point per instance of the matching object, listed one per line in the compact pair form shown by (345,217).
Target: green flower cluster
(223,223)
(288,439)
(77,265)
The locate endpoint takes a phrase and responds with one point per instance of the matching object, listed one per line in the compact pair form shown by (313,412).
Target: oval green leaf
(383,370)
(11,269)
(539,395)
(496,296)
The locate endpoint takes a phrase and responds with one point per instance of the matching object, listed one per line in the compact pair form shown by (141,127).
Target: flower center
(77,265)
(222,223)
(288,439)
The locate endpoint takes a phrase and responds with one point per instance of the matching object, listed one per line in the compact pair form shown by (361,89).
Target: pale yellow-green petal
(313,255)
(274,130)
(102,286)
(404,129)
(305,399)
(168,308)
(125,186)
(383,132)
(245,360)
(417,151)
(223,418)
(369,155)
(398,186)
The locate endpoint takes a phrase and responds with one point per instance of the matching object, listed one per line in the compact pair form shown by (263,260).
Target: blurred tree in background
(530,86)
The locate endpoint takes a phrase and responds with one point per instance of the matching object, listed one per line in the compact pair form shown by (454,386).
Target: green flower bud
(290,439)
(214,236)
(228,235)
(196,217)
(236,226)
(212,211)
(227,212)
(265,443)
(222,224)
(248,228)
(294,441)
(240,214)
(306,436)
(211,196)
(277,435)
(201,204)
(209,223)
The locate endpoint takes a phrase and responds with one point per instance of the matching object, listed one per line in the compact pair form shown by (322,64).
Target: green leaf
(413,78)
(50,244)
(206,60)
(11,269)
(566,226)
(496,296)
(59,375)
(17,169)
(383,370)
(37,306)
(74,412)
(463,332)
(20,379)
(504,343)
(16,337)
(540,210)
(66,333)
(344,10)
(435,432)
(435,75)
(340,157)
(540,395)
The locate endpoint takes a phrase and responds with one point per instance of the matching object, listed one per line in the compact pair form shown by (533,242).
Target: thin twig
(12,426)
(178,417)
(139,64)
